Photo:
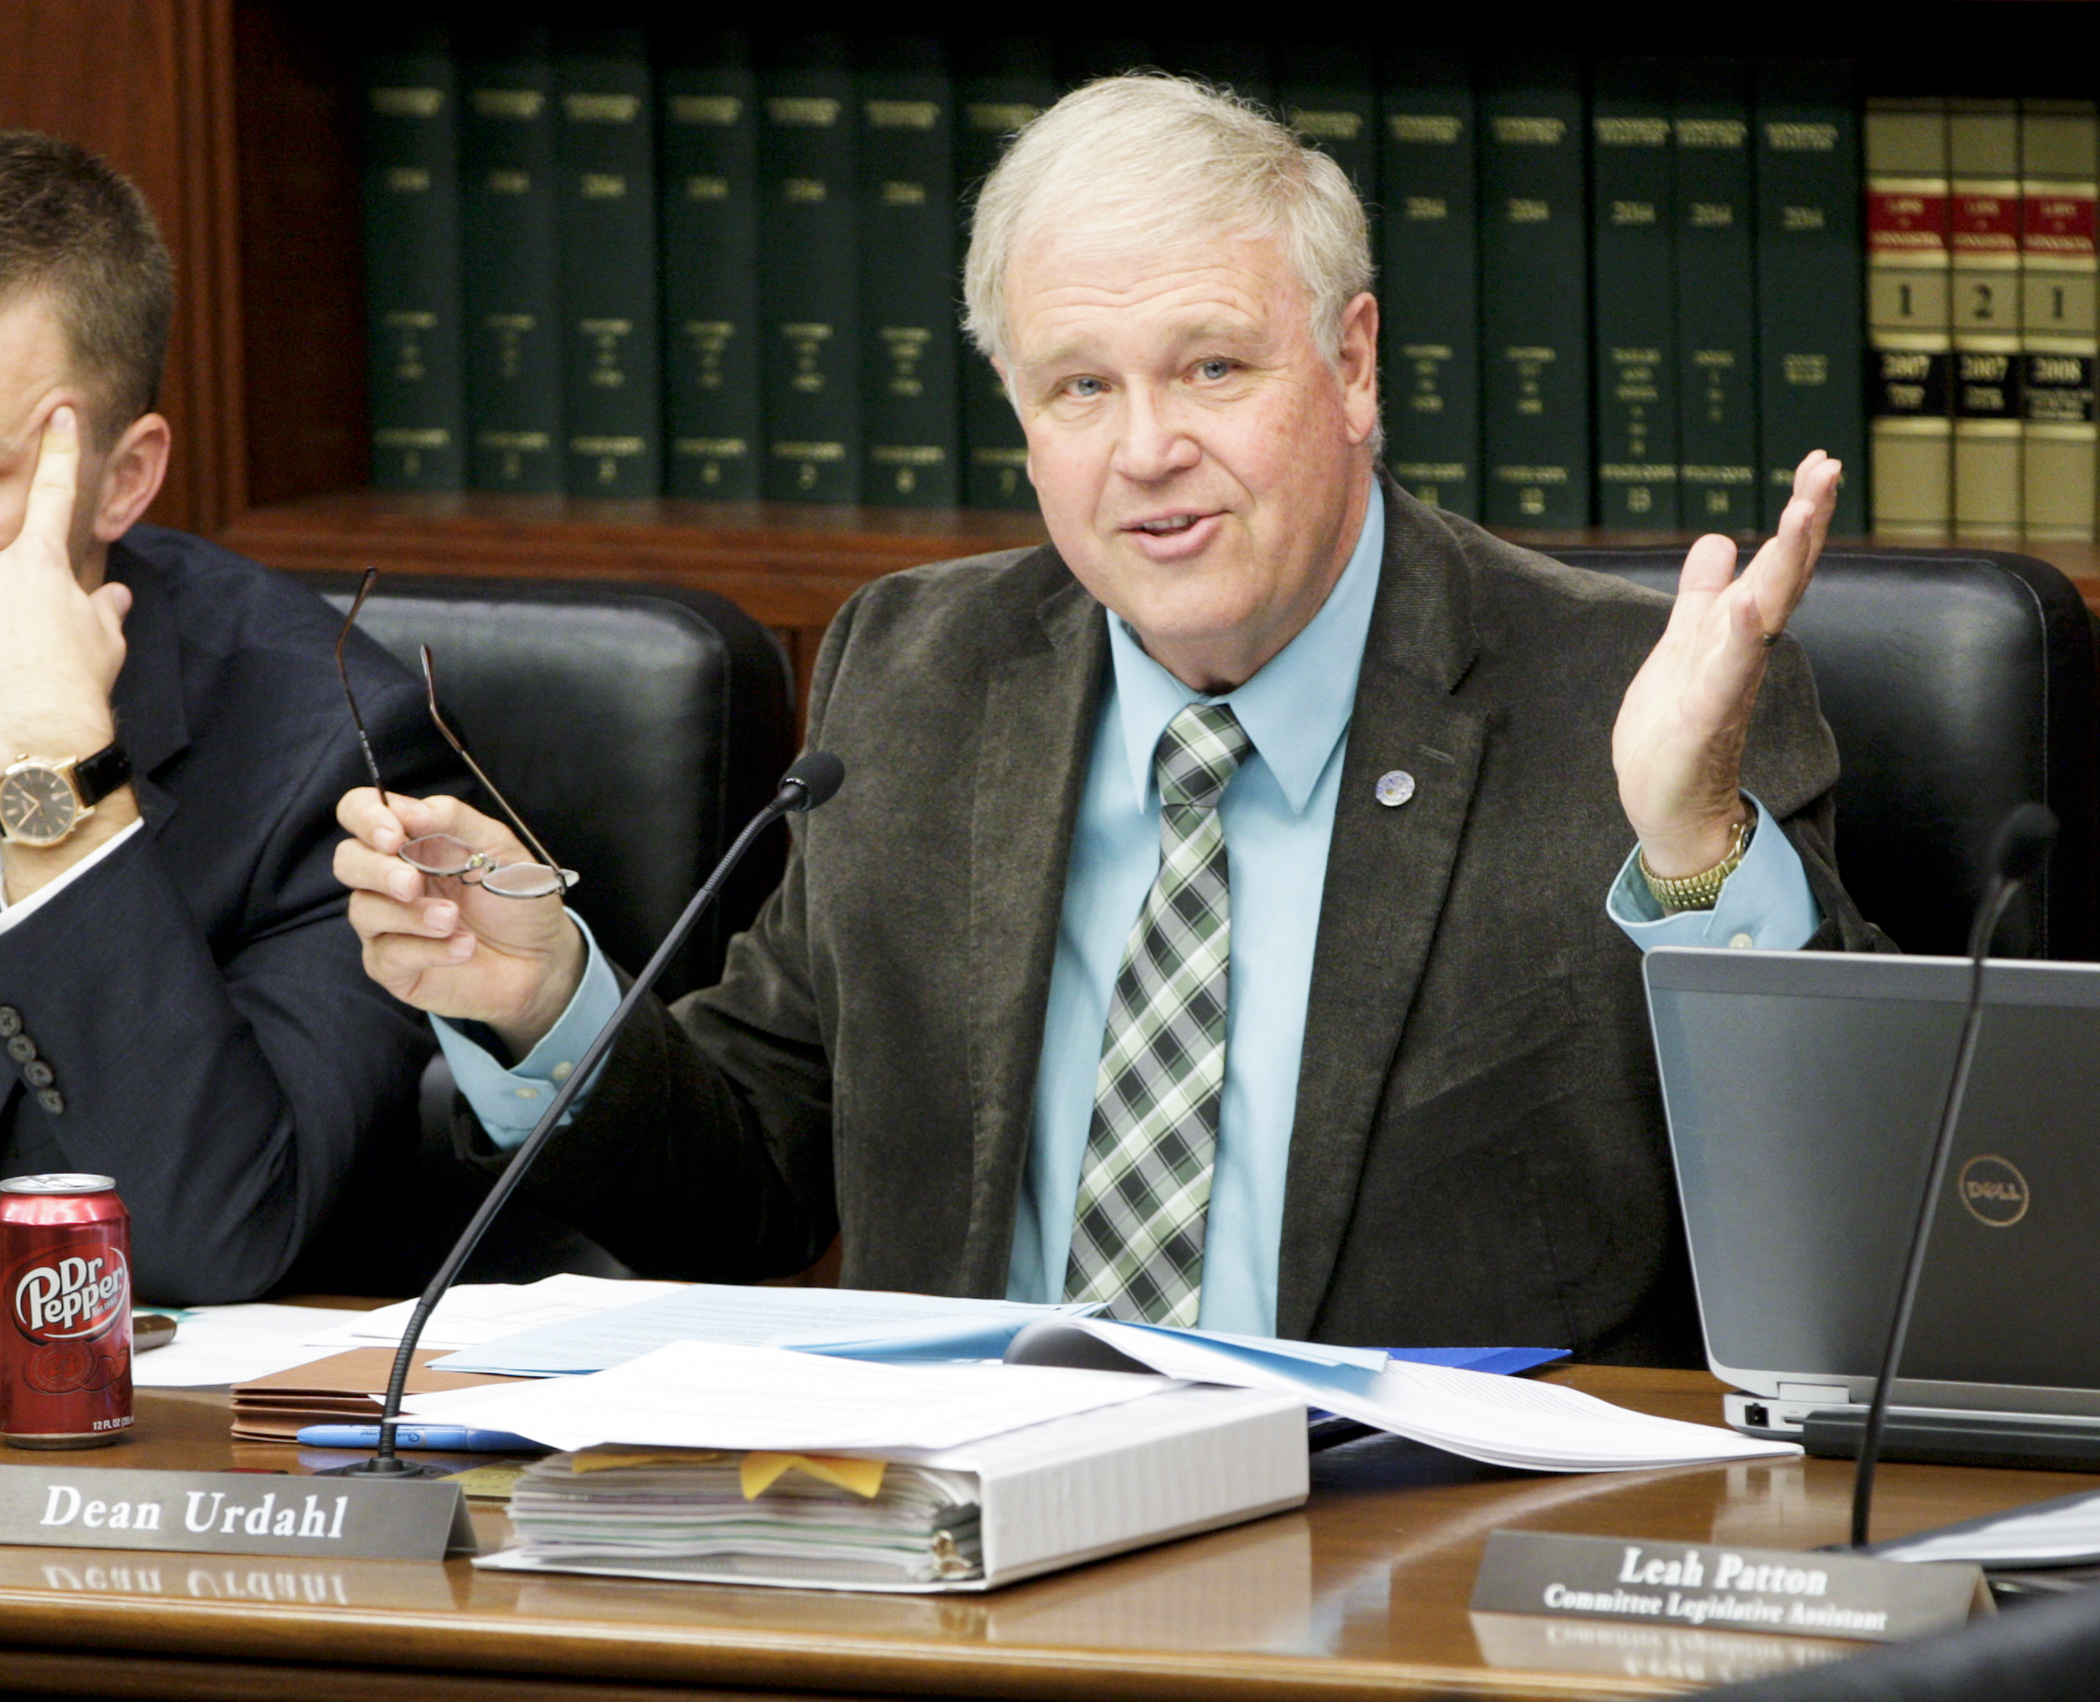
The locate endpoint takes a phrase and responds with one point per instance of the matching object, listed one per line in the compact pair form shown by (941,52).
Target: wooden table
(1362,1593)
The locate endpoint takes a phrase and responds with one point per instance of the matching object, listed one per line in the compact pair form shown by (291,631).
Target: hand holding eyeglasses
(449,945)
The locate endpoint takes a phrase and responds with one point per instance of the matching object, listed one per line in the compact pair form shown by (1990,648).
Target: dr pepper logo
(71,1299)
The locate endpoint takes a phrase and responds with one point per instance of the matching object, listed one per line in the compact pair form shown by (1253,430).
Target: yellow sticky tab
(761,1470)
(487,1483)
(615,1459)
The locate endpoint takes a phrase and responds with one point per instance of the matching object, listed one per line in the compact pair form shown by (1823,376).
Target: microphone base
(395,1470)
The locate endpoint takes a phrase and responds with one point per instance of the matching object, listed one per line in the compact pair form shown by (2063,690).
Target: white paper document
(1505,1421)
(2063,1532)
(478,1312)
(711,1395)
(232,1344)
(744,1317)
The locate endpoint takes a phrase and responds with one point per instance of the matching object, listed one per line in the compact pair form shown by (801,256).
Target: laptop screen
(1803,1092)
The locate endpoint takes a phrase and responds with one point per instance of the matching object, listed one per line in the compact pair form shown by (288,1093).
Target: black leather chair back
(1958,683)
(635,728)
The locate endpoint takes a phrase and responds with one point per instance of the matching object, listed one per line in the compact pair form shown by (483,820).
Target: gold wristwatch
(44,799)
(1703,890)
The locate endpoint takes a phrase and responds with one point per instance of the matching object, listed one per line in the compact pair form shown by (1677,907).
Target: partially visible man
(1213,922)
(180,1006)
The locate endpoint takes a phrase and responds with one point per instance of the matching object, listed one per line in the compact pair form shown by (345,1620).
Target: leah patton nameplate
(1734,1589)
(229,1513)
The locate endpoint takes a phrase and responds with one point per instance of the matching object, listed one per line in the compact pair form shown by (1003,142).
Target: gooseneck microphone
(2018,850)
(811,781)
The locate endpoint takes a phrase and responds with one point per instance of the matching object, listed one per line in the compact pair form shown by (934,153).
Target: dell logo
(1993,1190)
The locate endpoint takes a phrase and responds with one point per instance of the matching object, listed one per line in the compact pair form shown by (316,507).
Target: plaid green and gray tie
(1144,1190)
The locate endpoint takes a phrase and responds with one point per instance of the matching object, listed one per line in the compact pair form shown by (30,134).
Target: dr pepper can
(65,1350)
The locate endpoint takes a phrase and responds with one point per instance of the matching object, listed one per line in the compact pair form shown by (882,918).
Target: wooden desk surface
(1361,1593)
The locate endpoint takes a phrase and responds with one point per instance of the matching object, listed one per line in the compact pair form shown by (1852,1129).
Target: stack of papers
(1503,1421)
(1167,1463)
(343,1388)
(690,1514)
(2064,1532)
(216,1345)
(478,1312)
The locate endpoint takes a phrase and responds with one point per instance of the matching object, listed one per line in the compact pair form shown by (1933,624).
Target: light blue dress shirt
(1278,817)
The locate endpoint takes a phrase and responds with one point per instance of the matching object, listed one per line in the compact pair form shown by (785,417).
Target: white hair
(1162,162)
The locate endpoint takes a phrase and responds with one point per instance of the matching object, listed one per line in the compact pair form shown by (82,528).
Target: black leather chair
(636,728)
(1958,683)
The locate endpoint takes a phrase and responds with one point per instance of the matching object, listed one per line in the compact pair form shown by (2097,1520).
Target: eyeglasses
(440,853)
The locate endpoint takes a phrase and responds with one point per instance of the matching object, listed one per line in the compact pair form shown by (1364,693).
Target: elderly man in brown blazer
(1213,922)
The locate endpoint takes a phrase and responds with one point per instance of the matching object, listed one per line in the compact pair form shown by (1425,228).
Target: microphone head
(2021,844)
(815,775)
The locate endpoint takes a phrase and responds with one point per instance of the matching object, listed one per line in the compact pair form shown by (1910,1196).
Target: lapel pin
(1395,787)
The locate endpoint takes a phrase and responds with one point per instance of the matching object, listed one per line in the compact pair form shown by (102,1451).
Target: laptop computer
(1803,1091)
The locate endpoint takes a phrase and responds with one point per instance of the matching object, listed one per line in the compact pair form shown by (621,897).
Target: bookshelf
(237,118)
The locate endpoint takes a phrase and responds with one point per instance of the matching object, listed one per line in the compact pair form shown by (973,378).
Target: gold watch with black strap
(45,799)
(1703,890)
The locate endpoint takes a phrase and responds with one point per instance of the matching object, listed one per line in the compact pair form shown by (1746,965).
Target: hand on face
(444,944)
(1678,744)
(60,647)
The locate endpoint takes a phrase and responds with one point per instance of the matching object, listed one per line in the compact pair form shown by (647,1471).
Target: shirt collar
(1296,708)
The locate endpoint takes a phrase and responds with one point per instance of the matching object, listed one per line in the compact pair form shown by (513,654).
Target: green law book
(1810,297)
(1328,97)
(707,113)
(512,267)
(412,266)
(809,353)
(908,273)
(1633,269)
(1001,84)
(605,152)
(1534,296)
(1716,299)
(1429,280)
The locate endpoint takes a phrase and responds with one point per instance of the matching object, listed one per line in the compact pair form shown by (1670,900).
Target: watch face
(37,806)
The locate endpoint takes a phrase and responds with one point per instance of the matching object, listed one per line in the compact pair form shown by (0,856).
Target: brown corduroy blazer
(1478,1156)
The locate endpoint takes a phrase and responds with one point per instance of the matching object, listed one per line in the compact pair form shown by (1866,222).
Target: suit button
(10,1022)
(51,1100)
(37,1073)
(21,1048)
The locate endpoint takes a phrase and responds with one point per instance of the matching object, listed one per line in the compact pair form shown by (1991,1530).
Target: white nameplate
(1726,1589)
(231,1513)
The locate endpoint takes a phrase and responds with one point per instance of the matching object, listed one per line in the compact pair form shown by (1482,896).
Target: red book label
(1985,224)
(1904,222)
(2058,224)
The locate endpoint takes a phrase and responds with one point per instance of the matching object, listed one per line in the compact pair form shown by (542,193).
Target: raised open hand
(60,647)
(1678,743)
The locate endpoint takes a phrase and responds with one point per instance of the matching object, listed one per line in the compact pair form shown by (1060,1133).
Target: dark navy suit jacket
(214,1043)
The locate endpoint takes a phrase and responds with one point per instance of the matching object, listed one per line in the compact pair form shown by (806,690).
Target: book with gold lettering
(908,261)
(1809,266)
(511,266)
(707,115)
(1429,279)
(1910,360)
(1001,83)
(2060,317)
(1534,295)
(412,263)
(1327,95)
(1983,236)
(605,156)
(809,306)
(1633,259)
(1716,219)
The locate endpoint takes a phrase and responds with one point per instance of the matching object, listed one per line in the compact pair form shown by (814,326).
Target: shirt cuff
(14,915)
(510,1101)
(1765,905)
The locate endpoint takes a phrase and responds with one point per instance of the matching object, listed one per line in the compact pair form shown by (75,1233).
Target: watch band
(95,777)
(1703,890)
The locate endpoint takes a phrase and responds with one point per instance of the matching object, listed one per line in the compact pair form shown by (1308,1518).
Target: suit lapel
(1387,873)
(148,694)
(1032,752)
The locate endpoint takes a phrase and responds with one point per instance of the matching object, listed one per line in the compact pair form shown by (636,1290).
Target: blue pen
(455,1438)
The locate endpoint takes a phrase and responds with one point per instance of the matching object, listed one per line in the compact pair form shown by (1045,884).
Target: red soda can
(65,1274)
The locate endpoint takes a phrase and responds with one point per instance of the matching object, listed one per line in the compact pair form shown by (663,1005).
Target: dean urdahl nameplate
(231,1513)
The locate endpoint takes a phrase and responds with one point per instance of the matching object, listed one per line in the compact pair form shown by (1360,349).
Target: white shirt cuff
(1765,905)
(14,915)
(509,1101)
